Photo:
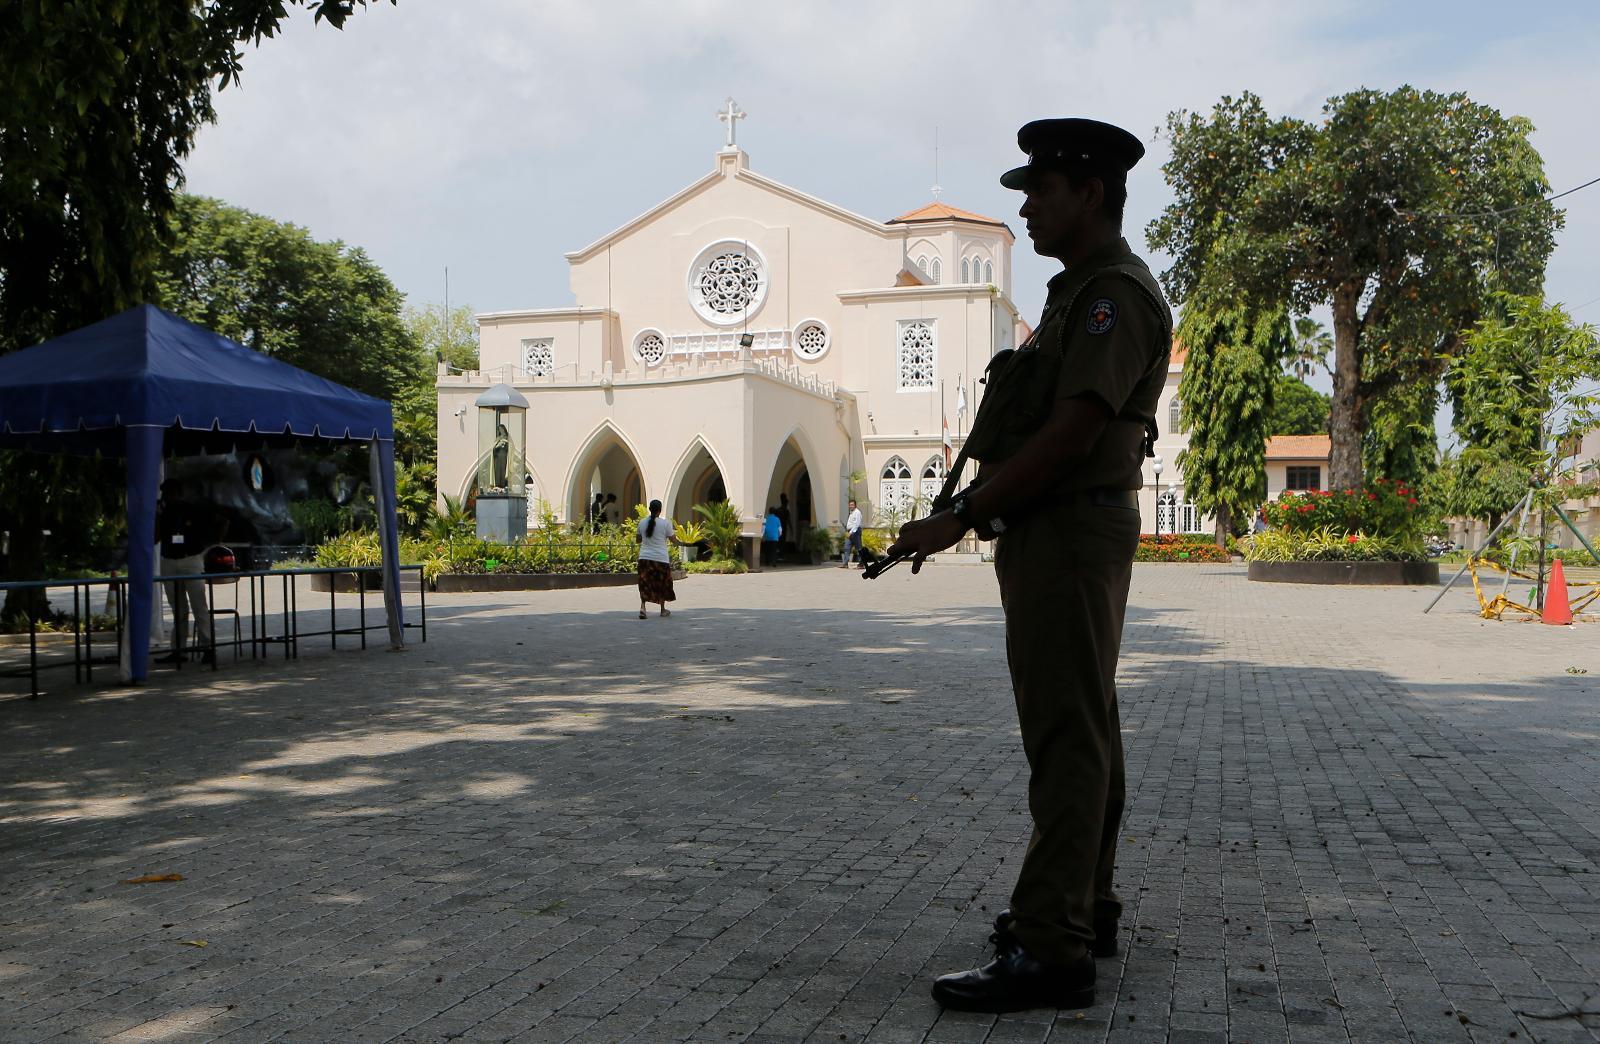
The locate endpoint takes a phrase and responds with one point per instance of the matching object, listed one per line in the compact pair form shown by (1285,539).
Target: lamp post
(1155,463)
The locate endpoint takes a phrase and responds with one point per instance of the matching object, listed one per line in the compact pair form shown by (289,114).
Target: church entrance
(790,492)
(701,482)
(609,469)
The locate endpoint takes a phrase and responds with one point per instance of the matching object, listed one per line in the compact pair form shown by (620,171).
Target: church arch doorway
(789,490)
(607,466)
(699,480)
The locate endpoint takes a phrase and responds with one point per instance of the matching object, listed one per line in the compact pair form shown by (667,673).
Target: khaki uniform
(1064,570)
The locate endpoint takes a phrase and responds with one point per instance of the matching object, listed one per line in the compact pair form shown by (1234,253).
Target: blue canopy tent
(144,384)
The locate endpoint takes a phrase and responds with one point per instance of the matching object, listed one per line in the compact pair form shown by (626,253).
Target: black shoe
(170,658)
(209,658)
(1105,933)
(1016,981)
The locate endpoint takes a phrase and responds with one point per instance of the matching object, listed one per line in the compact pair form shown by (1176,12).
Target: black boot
(1016,981)
(1105,933)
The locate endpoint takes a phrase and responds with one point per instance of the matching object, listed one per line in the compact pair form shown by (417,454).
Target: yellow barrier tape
(1492,609)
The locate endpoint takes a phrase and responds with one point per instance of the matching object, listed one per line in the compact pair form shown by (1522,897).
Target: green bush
(1384,506)
(722,527)
(354,550)
(316,519)
(717,565)
(1331,545)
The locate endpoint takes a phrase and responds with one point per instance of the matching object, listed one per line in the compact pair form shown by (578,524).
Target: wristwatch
(961,507)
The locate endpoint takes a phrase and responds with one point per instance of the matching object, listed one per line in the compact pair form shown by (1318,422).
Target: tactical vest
(1020,383)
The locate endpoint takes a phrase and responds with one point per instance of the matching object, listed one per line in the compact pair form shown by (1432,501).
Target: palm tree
(1309,350)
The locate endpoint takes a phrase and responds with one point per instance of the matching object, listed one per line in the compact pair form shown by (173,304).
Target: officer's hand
(927,536)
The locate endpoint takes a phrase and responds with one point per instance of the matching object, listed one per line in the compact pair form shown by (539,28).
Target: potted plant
(818,543)
(690,534)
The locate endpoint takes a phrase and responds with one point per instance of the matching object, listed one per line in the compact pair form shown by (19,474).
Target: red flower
(1372,496)
(1351,539)
(1412,502)
(1305,507)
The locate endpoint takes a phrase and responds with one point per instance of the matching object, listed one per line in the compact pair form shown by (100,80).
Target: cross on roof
(732,113)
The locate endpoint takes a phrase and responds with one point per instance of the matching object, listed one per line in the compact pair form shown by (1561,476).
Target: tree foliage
(1297,408)
(1524,381)
(1395,211)
(1227,395)
(321,306)
(451,337)
(100,101)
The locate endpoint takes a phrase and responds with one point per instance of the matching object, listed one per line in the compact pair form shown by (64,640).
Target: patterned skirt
(655,582)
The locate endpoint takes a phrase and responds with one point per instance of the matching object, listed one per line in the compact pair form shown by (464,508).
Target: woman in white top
(655,562)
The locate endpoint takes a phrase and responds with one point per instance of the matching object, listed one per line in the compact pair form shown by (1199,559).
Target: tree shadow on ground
(801,812)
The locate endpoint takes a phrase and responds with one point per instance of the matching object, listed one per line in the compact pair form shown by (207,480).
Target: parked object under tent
(145,384)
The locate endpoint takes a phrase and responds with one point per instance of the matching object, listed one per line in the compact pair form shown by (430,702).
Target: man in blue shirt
(771,533)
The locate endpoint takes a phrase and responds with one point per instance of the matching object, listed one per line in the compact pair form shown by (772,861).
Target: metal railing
(261,636)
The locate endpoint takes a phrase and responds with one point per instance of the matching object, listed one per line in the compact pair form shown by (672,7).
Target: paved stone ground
(775,816)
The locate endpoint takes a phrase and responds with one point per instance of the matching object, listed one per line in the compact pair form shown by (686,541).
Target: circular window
(727,283)
(650,347)
(811,340)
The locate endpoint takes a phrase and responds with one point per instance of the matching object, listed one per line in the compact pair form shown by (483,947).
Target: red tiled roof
(1299,447)
(944,212)
(1180,352)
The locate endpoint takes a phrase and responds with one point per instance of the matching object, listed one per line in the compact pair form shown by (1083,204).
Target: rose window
(651,348)
(727,283)
(811,341)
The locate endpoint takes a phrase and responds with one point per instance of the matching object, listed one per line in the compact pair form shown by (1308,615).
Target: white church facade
(743,340)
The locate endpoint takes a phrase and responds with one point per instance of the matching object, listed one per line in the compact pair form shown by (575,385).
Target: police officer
(1070,419)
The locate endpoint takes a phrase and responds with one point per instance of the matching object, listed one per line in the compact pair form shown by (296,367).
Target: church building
(742,340)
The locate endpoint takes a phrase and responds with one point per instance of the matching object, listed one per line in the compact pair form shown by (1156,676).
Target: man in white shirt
(852,536)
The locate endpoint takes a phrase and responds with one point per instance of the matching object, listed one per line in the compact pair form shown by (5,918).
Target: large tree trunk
(1344,419)
(25,561)
(1224,526)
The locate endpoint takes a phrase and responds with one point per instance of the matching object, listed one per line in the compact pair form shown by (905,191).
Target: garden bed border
(1391,574)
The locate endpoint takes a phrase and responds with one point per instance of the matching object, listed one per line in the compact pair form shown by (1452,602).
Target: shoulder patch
(1102,315)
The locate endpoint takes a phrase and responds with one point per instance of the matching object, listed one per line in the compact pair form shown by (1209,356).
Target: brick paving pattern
(777,815)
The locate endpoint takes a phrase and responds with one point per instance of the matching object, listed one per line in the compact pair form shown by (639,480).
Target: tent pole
(144,444)
(381,457)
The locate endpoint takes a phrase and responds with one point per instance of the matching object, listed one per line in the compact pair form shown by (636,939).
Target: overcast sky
(492,136)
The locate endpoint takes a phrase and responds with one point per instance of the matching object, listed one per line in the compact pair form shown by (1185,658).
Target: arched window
(894,487)
(932,480)
(933,270)
(988,271)
(922,263)
(1175,417)
(966,271)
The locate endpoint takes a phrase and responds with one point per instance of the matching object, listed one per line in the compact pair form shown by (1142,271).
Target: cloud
(493,135)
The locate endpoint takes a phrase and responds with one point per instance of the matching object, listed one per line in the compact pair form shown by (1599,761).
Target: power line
(1502,211)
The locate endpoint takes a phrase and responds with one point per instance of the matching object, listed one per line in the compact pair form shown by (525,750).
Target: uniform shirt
(653,546)
(1115,347)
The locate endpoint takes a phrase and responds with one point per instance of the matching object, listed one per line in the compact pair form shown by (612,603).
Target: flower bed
(1179,547)
(1347,536)
(1383,507)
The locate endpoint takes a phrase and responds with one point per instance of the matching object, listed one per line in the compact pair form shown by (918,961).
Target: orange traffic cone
(1556,608)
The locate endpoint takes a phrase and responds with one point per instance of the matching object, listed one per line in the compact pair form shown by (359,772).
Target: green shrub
(717,565)
(1384,506)
(722,527)
(317,519)
(818,541)
(354,550)
(1331,545)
